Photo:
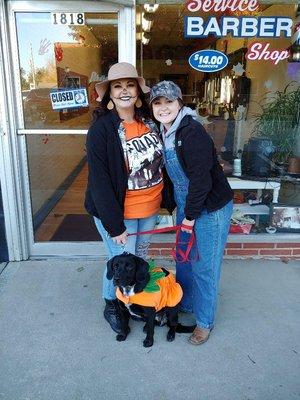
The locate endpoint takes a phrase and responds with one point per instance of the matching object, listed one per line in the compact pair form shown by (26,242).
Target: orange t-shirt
(144,162)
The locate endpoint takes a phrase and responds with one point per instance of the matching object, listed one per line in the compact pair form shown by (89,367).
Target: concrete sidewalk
(55,345)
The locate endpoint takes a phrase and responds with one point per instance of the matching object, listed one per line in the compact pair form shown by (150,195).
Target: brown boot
(199,336)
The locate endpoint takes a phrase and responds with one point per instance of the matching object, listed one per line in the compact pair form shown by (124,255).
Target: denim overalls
(199,279)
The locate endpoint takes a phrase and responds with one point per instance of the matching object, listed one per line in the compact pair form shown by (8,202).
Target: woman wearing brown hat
(124,155)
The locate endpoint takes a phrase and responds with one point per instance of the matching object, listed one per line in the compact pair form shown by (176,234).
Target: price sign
(208,60)
(67,18)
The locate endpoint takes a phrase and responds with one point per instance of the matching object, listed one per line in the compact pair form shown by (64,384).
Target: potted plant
(279,121)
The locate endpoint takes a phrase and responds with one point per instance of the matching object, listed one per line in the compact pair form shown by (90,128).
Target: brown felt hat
(120,71)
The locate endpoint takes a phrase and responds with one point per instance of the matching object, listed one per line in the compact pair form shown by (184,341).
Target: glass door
(63,49)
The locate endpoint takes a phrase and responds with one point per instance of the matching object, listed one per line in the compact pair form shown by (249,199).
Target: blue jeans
(199,279)
(137,244)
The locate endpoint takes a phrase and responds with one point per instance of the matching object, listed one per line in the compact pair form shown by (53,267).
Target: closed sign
(69,98)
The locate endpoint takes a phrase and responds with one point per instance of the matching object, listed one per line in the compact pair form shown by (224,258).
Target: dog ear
(110,268)
(142,274)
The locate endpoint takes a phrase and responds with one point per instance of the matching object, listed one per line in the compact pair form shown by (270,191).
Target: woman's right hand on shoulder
(121,239)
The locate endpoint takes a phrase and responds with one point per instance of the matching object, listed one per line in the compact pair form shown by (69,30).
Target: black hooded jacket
(107,178)
(108,175)
(208,185)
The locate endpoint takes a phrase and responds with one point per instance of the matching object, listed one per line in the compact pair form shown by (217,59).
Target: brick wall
(262,250)
(240,250)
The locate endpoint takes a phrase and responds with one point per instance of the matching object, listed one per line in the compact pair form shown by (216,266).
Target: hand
(121,239)
(189,224)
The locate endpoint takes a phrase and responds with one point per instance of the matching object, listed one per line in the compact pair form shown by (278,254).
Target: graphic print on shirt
(144,156)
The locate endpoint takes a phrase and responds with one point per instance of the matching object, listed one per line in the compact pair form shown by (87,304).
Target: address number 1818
(67,19)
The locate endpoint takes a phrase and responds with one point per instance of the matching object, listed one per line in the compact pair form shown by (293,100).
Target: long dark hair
(139,113)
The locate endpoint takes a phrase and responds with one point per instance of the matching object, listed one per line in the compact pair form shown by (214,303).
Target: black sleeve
(198,158)
(102,192)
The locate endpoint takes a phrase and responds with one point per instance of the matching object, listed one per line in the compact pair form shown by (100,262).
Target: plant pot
(294,165)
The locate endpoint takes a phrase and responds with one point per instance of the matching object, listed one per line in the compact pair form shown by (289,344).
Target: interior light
(138,19)
(295,56)
(151,8)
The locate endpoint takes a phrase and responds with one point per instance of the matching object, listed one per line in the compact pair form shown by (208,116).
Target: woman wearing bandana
(204,202)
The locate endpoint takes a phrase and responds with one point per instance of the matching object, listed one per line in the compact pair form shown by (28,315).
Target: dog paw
(171,336)
(148,342)
(123,335)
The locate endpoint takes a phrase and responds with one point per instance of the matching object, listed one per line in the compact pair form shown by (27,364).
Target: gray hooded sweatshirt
(169,135)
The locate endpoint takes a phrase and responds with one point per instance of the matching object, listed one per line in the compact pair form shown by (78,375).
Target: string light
(151,8)
(147,22)
(145,38)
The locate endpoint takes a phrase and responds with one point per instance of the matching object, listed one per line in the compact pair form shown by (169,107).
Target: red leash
(177,253)
(160,230)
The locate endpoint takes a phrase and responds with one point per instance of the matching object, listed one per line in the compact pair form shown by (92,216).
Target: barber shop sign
(242,27)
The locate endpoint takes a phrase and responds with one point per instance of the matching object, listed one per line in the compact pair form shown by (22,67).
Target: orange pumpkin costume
(168,292)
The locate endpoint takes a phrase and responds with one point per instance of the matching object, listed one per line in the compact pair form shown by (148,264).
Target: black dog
(130,275)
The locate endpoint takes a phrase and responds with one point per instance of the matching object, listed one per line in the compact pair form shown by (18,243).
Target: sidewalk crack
(2,268)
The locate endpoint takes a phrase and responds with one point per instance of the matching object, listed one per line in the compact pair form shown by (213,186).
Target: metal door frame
(13,158)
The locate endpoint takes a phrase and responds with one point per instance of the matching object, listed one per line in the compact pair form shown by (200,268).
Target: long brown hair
(139,113)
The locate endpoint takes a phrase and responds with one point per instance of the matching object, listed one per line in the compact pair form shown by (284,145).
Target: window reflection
(56,56)
(250,108)
(57,176)
(230,100)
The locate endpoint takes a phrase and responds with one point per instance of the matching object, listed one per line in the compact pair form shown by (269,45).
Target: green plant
(280,122)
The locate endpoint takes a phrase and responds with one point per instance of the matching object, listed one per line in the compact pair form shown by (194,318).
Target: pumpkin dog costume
(156,289)
(161,291)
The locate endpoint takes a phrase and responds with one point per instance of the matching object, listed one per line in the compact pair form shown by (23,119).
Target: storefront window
(57,176)
(57,57)
(251,107)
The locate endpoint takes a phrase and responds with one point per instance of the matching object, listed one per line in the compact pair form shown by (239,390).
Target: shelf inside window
(258,209)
